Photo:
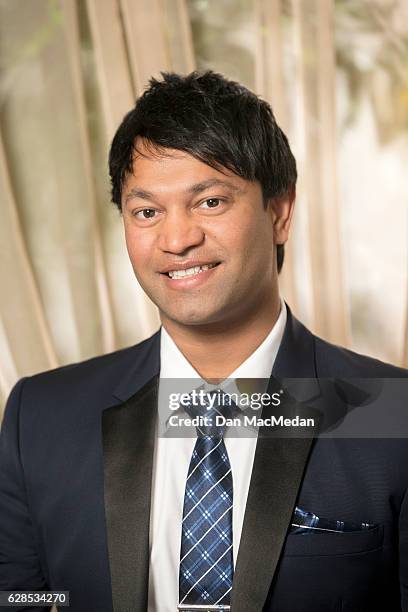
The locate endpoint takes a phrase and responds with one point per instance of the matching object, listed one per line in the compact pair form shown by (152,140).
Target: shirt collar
(258,365)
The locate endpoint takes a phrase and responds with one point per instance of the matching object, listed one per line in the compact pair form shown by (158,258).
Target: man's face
(200,241)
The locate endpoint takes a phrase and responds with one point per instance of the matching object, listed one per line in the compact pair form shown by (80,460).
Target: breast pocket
(327,572)
(334,543)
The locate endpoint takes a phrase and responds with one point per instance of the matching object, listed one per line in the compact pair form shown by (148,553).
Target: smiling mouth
(193,271)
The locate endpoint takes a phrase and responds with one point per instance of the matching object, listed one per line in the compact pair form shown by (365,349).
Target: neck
(216,350)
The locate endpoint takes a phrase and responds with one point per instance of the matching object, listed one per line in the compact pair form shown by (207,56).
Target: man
(94,501)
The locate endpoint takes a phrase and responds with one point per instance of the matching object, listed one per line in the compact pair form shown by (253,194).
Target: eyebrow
(214,182)
(137,192)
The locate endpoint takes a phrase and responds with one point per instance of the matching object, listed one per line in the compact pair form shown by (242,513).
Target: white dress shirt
(171,463)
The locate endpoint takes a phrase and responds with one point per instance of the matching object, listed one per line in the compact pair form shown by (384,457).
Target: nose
(180,232)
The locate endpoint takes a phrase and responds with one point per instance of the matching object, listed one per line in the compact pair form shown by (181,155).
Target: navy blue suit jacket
(76,453)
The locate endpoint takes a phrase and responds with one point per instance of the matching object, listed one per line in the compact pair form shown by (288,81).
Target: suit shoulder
(334,360)
(103,369)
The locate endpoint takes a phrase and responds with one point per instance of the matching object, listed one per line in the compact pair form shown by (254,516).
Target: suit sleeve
(20,567)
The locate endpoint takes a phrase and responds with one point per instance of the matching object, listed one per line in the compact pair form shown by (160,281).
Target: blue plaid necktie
(206,561)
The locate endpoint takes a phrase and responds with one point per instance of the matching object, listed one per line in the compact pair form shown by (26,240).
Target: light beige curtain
(70,70)
(312,133)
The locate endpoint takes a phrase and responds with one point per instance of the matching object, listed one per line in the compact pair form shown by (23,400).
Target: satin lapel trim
(128,432)
(277,473)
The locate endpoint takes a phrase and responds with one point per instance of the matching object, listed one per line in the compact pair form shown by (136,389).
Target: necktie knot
(211,410)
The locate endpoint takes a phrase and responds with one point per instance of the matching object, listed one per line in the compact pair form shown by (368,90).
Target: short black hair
(217,121)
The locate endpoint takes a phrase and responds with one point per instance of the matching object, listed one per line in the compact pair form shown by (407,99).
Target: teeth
(190,271)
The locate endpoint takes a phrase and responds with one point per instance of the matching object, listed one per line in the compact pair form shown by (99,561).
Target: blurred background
(336,74)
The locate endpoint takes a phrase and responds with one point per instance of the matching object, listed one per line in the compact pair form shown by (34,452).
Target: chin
(191,318)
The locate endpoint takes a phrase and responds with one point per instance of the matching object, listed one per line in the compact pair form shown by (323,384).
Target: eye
(145,213)
(211,203)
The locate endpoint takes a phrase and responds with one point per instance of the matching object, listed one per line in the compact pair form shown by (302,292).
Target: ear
(282,210)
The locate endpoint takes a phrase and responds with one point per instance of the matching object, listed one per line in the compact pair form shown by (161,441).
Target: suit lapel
(128,431)
(128,437)
(277,473)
